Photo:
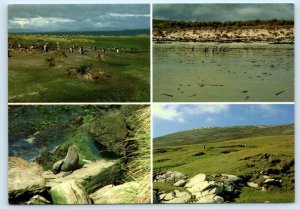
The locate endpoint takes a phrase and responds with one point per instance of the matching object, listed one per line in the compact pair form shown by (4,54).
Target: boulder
(38,200)
(207,199)
(230,178)
(169,196)
(24,177)
(272,182)
(69,192)
(87,175)
(170,177)
(121,194)
(109,132)
(196,179)
(252,184)
(176,200)
(201,186)
(218,199)
(183,196)
(180,183)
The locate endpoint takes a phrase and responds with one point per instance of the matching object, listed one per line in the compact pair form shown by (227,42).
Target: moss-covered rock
(70,192)
(121,194)
(109,132)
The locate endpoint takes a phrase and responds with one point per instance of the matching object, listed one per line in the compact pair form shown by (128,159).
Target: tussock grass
(139,166)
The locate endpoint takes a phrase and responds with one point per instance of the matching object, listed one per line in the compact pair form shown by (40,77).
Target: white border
(4,96)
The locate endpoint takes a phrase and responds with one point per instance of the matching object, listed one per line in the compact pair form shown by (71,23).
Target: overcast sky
(223,12)
(173,118)
(77,17)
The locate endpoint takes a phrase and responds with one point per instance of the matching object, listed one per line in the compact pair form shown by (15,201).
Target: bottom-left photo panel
(79,154)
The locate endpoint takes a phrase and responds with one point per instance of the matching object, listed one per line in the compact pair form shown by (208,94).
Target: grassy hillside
(232,150)
(220,134)
(57,76)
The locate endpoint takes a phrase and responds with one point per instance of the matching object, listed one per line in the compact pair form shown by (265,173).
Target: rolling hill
(218,134)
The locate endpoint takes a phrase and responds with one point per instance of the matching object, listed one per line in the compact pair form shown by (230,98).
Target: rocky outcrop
(69,192)
(201,189)
(120,194)
(109,132)
(87,173)
(24,178)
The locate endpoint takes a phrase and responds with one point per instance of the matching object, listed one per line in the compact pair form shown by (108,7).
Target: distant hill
(94,33)
(220,134)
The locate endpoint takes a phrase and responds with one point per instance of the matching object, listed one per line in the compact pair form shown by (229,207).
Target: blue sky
(223,12)
(174,117)
(77,17)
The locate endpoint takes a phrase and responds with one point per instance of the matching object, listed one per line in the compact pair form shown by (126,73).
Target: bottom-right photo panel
(219,153)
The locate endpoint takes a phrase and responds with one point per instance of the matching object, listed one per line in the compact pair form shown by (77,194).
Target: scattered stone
(272,182)
(252,184)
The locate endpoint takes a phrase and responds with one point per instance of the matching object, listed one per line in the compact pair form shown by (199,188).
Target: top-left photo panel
(78,53)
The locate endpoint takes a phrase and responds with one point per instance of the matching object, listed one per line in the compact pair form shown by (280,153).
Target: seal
(71,160)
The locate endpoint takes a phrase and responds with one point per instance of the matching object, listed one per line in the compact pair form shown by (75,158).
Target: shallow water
(242,72)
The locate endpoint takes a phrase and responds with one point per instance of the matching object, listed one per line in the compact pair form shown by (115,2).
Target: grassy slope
(214,162)
(220,134)
(32,80)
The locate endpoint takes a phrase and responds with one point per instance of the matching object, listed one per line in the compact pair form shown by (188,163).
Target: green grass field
(242,157)
(33,77)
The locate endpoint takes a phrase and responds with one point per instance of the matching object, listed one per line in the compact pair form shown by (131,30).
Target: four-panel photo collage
(151,103)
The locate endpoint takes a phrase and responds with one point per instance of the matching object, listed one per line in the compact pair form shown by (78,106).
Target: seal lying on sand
(69,164)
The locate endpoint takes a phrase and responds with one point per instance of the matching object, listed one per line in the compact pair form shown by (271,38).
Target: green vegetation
(221,134)
(165,24)
(264,149)
(37,76)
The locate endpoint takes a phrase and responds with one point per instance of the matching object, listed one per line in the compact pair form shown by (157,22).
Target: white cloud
(178,113)
(168,112)
(266,110)
(37,21)
(128,15)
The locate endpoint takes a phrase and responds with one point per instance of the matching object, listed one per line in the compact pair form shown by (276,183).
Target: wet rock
(69,192)
(24,177)
(38,200)
(121,194)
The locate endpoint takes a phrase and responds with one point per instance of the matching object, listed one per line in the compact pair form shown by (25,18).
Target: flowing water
(227,72)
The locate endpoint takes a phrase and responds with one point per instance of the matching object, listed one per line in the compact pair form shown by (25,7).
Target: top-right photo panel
(223,52)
